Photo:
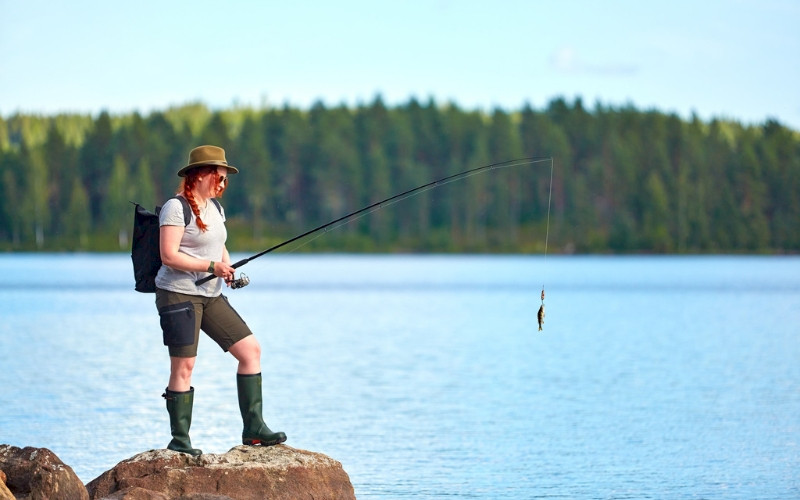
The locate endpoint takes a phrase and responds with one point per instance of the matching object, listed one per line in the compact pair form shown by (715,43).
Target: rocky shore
(243,473)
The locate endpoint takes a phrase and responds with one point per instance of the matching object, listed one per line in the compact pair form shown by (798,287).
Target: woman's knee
(182,367)
(247,349)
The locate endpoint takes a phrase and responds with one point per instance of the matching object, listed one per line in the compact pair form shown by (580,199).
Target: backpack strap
(219,207)
(187,210)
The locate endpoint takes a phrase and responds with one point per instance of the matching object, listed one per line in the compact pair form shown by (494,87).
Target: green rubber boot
(255,430)
(179,406)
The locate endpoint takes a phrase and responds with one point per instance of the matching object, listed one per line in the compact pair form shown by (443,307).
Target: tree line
(624,180)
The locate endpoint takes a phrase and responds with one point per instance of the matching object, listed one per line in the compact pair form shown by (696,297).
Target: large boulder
(243,473)
(38,474)
(5,493)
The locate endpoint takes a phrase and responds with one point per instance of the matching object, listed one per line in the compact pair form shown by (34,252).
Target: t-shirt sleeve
(171,213)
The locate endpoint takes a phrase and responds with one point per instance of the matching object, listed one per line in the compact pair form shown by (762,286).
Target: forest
(623,180)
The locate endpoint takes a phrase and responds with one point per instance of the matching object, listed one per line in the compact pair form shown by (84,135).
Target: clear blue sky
(735,59)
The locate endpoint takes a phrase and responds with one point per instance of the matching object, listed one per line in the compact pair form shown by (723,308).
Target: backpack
(145,250)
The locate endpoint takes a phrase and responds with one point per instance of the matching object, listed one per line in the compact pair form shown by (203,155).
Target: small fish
(540,316)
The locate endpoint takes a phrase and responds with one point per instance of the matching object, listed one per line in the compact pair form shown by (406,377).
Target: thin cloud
(566,60)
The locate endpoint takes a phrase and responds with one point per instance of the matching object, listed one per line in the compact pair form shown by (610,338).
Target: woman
(188,253)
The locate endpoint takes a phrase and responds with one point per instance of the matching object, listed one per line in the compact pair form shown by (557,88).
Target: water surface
(655,377)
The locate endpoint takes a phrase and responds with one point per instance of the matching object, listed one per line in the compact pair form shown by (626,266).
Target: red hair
(189,182)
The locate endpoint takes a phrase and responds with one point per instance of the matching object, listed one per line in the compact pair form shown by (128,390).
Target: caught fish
(540,316)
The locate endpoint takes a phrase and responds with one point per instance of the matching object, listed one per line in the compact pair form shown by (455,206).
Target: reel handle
(242,282)
(211,276)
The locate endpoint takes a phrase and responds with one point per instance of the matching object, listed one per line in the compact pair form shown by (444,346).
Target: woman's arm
(226,257)
(171,256)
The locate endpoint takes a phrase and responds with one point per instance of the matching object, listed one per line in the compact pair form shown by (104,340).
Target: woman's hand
(225,271)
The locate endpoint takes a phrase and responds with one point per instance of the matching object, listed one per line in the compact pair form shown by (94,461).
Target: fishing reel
(242,282)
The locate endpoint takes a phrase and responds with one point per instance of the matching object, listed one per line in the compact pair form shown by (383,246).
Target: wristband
(211,267)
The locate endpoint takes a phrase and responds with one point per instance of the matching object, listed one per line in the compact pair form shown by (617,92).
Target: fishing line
(391,201)
(540,314)
(549,197)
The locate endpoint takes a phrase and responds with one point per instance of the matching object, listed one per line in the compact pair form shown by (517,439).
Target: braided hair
(189,182)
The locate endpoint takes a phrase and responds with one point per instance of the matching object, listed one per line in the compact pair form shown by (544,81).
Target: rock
(38,474)
(5,494)
(136,493)
(243,473)
(204,496)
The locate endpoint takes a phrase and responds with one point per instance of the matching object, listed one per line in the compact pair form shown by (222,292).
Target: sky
(735,59)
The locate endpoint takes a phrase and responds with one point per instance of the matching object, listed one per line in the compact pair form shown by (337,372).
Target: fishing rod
(384,203)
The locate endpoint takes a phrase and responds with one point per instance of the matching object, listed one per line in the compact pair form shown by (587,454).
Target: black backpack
(145,251)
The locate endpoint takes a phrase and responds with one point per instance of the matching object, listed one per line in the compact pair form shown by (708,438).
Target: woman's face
(212,186)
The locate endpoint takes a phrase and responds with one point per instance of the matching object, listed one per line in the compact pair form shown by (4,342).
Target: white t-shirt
(208,245)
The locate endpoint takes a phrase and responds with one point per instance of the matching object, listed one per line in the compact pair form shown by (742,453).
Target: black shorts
(183,316)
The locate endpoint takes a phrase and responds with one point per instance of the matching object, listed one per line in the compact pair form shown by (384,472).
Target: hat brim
(213,163)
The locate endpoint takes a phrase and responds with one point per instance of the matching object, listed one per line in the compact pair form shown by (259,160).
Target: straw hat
(207,155)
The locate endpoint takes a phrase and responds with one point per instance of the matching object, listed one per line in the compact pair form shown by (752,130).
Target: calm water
(655,377)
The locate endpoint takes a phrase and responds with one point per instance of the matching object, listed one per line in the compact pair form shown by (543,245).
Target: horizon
(590,108)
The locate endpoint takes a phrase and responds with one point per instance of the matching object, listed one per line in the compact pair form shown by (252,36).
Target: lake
(426,375)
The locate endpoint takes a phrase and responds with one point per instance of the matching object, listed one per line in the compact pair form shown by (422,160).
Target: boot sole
(261,442)
(194,452)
